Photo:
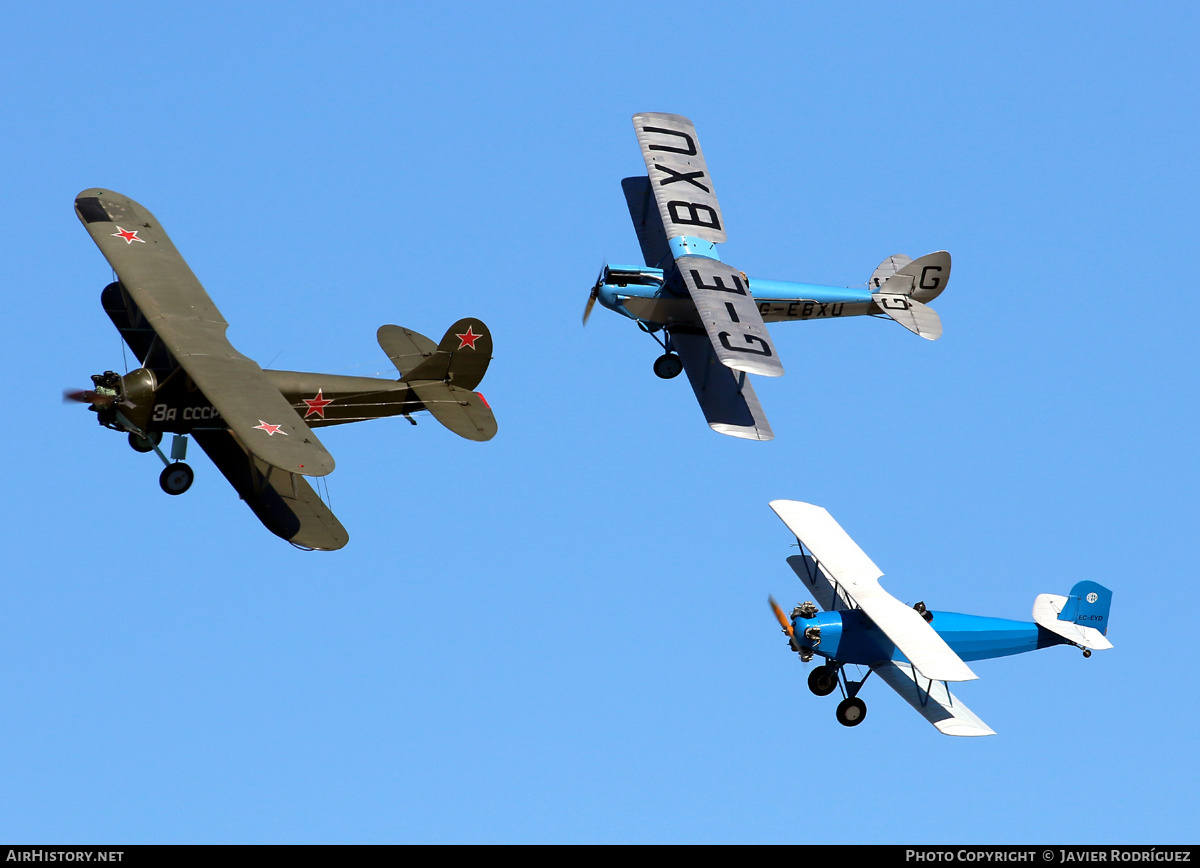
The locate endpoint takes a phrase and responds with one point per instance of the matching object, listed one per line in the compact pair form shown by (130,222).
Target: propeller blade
(85,396)
(591,303)
(782,618)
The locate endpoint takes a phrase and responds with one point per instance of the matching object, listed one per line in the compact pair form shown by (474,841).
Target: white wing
(932,700)
(842,560)
(829,595)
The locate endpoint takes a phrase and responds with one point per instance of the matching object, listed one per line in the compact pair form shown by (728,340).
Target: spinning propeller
(87,396)
(783,621)
(591,302)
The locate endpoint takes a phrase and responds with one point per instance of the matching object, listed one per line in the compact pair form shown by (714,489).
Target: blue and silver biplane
(711,316)
(917,652)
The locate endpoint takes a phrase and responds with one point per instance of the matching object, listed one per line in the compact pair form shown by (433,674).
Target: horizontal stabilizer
(1046,611)
(726,397)
(826,592)
(462,411)
(842,560)
(914,316)
(461,359)
(887,268)
(932,700)
(405,347)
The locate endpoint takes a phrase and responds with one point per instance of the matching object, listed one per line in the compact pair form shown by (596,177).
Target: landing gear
(823,680)
(144,444)
(175,478)
(851,711)
(668,366)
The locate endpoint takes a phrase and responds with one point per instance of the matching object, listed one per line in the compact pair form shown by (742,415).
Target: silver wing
(726,397)
(679,176)
(735,327)
(689,212)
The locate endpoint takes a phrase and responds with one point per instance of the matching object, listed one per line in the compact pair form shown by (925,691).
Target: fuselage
(851,637)
(177,406)
(648,295)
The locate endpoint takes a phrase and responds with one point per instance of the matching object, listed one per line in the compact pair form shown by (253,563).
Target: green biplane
(255,425)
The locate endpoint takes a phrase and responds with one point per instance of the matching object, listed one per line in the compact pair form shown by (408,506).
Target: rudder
(1081,618)
(461,358)
(1088,605)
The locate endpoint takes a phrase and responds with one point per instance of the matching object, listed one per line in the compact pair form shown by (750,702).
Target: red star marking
(468,340)
(129,236)
(317,405)
(269,428)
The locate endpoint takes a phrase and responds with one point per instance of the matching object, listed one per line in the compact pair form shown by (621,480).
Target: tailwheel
(823,680)
(176,478)
(144,444)
(851,711)
(668,366)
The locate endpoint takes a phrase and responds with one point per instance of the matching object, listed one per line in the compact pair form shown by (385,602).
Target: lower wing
(932,700)
(726,396)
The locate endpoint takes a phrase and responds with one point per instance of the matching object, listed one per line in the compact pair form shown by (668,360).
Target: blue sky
(562,635)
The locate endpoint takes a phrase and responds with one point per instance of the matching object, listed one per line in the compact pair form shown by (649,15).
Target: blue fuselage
(851,637)
(639,293)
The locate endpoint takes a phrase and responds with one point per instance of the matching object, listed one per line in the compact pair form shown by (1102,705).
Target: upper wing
(735,327)
(175,305)
(842,559)
(932,700)
(679,177)
(829,594)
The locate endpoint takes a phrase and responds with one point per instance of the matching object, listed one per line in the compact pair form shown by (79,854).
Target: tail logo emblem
(468,339)
(1093,597)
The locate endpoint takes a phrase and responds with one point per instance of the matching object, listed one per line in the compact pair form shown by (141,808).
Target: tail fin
(461,359)
(444,376)
(901,287)
(922,279)
(1081,618)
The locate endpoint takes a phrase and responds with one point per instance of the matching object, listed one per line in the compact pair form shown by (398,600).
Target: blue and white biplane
(711,316)
(916,652)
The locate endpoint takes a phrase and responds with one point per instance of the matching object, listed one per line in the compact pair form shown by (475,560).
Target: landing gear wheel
(1087,652)
(176,478)
(668,366)
(138,443)
(822,681)
(850,712)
